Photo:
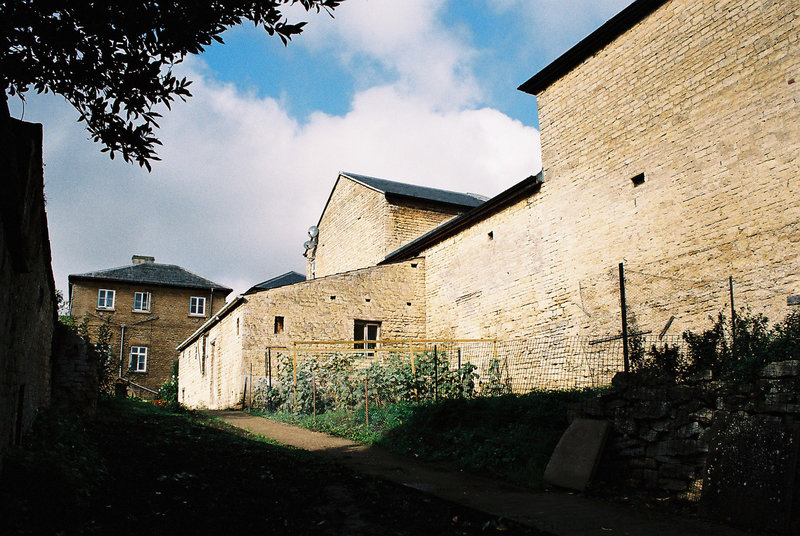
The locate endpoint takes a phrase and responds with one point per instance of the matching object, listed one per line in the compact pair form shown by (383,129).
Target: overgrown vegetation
(430,408)
(168,392)
(730,350)
(141,469)
(343,382)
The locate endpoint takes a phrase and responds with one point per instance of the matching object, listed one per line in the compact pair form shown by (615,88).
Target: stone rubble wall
(661,430)
(76,370)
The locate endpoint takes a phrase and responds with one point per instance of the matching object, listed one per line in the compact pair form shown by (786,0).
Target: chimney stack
(142,259)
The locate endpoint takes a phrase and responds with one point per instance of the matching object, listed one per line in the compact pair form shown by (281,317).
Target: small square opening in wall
(367,300)
(333,297)
(491,235)
(638,180)
(278,324)
(413,264)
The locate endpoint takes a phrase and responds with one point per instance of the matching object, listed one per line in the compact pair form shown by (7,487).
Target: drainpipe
(121,349)
(211,303)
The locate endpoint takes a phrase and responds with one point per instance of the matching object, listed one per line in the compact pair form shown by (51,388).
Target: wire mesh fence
(316,376)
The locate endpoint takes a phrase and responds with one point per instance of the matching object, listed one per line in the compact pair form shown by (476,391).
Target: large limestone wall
(701,97)
(321,309)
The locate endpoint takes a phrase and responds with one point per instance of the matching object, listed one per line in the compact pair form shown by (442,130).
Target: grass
(510,437)
(139,469)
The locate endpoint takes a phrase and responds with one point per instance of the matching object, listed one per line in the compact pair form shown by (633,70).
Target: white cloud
(402,41)
(241,180)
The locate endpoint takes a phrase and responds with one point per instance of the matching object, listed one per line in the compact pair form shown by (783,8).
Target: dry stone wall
(661,431)
(701,97)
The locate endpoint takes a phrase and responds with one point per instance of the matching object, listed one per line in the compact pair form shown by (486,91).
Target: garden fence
(313,376)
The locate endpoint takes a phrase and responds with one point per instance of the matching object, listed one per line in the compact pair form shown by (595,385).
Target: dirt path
(558,513)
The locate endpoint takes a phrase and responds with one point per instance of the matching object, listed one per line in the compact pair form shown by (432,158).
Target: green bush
(729,350)
(168,391)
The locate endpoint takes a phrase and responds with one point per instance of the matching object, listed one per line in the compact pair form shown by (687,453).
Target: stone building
(366,218)
(669,142)
(150,308)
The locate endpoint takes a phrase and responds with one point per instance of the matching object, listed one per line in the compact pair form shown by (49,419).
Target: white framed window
(366,331)
(138,362)
(197,306)
(105,298)
(141,302)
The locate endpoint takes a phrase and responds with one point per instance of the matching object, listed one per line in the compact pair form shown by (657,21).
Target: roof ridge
(420,189)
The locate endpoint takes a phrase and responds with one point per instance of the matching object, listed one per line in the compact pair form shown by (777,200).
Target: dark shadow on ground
(137,469)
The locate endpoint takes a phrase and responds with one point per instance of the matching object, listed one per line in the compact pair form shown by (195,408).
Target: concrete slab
(576,455)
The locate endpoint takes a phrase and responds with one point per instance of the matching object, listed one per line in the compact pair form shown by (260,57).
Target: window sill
(140,311)
(197,316)
(137,371)
(104,310)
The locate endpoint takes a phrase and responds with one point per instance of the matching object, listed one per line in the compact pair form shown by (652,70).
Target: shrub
(168,392)
(730,354)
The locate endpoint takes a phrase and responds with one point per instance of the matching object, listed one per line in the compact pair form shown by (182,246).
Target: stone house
(378,216)
(669,141)
(150,309)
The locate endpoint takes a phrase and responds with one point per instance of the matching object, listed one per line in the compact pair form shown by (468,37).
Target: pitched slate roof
(289,278)
(168,275)
(402,189)
(591,44)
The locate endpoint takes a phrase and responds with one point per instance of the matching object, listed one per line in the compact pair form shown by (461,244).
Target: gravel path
(555,512)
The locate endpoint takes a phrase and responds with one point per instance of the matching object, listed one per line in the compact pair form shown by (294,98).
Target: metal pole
(435,374)
(314,395)
(269,368)
(250,401)
(366,400)
(624,317)
(413,371)
(294,373)
(460,375)
(733,317)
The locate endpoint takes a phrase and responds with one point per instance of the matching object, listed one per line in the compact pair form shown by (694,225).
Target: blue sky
(422,91)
